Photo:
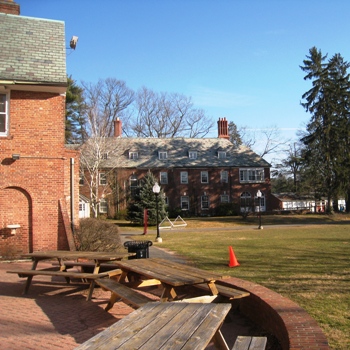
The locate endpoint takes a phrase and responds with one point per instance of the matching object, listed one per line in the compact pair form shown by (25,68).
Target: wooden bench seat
(118,290)
(250,343)
(91,277)
(54,273)
(226,291)
(87,266)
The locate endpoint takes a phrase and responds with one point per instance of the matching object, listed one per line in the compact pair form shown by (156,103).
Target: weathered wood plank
(226,291)
(128,295)
(250,343)
(163,326)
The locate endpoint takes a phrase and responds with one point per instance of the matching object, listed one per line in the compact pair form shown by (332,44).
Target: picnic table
(171,275)
(165,326)
(61,256)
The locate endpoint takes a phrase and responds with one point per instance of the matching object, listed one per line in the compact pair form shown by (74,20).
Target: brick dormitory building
(39,176)
(197,175)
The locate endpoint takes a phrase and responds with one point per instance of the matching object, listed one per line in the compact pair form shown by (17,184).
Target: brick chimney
(9,7)
(117,128)
(223,128)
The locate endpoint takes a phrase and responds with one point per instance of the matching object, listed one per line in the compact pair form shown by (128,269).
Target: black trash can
(138,247)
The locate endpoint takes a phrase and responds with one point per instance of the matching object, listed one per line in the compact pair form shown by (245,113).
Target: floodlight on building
(73,42)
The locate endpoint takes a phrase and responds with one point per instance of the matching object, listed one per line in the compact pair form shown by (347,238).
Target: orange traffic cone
(233,260)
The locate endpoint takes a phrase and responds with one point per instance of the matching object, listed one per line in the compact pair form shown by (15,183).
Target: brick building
(198,176)
(38,175)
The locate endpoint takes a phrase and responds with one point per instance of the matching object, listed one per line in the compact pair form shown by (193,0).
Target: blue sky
(237,59)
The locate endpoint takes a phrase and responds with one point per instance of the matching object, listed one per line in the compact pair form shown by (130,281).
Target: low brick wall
(289,323)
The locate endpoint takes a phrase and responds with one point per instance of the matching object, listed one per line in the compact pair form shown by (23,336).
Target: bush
(97,235)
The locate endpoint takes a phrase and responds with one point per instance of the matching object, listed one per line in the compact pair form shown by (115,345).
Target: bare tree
(106,100)
(165,115)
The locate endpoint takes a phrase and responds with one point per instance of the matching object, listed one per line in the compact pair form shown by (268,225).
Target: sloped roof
(177,153)
(32,50)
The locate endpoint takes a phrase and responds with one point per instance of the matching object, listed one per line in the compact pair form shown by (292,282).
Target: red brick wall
(287,321)
(31,187)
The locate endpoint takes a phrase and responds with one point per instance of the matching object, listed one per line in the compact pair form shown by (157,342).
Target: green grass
(310,264)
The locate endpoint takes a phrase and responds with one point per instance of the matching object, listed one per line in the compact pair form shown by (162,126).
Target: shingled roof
(177,153)
(32,50)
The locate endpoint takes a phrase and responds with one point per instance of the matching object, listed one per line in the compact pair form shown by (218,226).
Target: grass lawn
(310,264)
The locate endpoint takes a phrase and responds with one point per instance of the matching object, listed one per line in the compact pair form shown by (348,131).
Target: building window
(204,177)
(251,175)
(104,156)
(221,155)
(246,202)
(224,176)
(205,202)
(185,203)
(184,177)
(163,177)
(224,198)
(133,155)
(162,155)
(4,114)
(133,185)
(192,154)
(102,206)
(103,179)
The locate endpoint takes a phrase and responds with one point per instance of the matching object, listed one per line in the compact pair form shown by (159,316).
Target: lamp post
(156,190)
(259,194)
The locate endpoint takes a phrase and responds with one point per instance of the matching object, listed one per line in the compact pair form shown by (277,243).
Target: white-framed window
(224,198)
(224,176)
(4,115)
(103,179)
(184,177)
(251,175)
(102,208)
(162,155)
(192,154)
(204,177)
(104,155)
(133,183)
(205,202)
(246,202)
(163,177)
(222,155)
(133,155)
(166,200)
(185,203)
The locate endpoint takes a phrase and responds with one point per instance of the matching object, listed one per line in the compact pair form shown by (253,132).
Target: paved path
(54,315)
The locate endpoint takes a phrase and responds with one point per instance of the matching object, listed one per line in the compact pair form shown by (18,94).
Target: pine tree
(146,199)
(328,131)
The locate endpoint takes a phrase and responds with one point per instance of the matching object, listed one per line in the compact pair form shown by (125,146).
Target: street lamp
(156,190)
(259,194)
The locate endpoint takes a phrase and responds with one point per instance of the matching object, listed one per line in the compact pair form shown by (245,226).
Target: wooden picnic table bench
(249,343)
(86,266)
(128,295)
(226,291)
(91,277)
(61,256)
(165,326)
(170,274)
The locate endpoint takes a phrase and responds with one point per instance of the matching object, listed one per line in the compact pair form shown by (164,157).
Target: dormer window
(222,155)
(192,154)
(104,156)
(133,155)
(162,155)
